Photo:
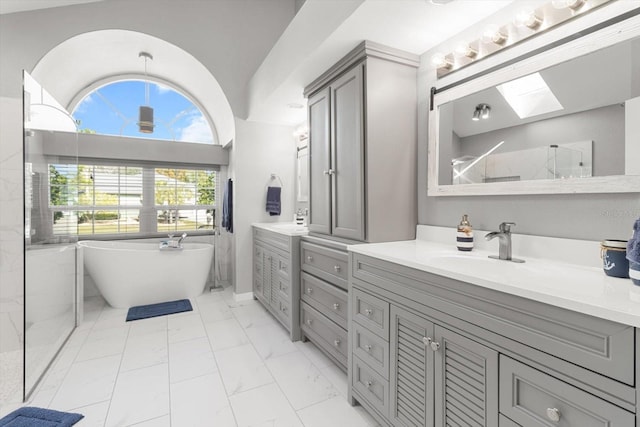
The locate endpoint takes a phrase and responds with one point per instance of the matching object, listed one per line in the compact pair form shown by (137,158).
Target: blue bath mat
(29,416)
(160,309)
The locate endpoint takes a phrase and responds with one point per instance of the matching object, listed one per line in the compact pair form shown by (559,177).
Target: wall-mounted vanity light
(482,111)
(527,23)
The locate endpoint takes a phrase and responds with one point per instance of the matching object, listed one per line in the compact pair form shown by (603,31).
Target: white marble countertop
(582,288)
(286,228)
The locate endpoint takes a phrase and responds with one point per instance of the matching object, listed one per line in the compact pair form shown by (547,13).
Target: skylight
(529,96)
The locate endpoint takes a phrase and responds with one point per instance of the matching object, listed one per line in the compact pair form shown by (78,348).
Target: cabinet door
(347,155)
(267,275)
(466,381)
(319,163)
(411,374)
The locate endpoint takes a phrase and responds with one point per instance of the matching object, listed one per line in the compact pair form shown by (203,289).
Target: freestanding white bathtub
(129,274)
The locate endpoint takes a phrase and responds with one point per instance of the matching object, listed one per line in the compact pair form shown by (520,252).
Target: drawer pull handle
(368,384)
(336,343)
(336,268)
(553,414)
(309,290)
(368,311)
(309,258)
(336,306)
(435,346)
(367,347)
(309,321)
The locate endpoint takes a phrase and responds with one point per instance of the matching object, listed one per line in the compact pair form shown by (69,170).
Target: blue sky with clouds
(113,110)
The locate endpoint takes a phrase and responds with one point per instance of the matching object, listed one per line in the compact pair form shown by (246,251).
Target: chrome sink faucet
(504,237)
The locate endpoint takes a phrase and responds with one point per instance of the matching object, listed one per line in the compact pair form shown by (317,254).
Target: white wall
(260,150)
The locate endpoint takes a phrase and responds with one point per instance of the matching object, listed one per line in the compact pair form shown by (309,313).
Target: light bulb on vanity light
(465,49)
(571,4)
(528,18)
(494,34)
(441,61)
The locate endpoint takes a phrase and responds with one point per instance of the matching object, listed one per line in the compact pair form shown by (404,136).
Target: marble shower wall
(11,250)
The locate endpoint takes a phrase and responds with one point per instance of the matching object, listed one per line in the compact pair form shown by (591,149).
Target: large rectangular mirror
(564,121)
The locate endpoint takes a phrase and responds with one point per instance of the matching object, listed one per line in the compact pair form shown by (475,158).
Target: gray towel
(633,245)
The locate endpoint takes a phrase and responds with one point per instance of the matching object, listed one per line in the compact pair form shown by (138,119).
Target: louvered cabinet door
(466,381)
(411,373)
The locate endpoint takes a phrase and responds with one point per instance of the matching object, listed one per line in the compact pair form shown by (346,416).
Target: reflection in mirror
(50,256)
(575,120)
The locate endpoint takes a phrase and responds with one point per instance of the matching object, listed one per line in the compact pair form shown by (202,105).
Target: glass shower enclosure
(50,232)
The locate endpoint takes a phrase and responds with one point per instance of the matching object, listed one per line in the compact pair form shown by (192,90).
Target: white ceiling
(13,6)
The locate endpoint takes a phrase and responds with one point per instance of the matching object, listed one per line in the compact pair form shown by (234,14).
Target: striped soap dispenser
(465,235)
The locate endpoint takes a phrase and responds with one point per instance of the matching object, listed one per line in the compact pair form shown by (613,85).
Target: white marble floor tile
(226,334)
(111,318)
(264,406)
(151,325)
(139,395)
(190,359)
(183,328)
(214,311)
(242,369)
(316,356)
(270,340)
(252,312)
(145,350)
(87,383)
(337,377)
(164,421)
(199,401)
(103,342)
(300,380)
(335,412)
(94,415)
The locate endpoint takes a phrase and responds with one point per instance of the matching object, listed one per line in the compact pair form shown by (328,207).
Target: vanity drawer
(283,310)
(532,399)
(371,386)
(283,286)
(328,264)
(371,312)
(371,349)
(328,299)
(324,332)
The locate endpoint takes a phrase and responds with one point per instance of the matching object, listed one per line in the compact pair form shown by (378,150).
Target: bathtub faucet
(181,239)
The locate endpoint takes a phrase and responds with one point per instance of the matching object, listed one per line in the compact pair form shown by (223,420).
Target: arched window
(113,110)
(111,196)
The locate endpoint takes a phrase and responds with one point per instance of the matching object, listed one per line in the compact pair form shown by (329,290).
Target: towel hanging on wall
(273,200)
(227,206)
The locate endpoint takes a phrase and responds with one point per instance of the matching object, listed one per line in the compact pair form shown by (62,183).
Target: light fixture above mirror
(527,23)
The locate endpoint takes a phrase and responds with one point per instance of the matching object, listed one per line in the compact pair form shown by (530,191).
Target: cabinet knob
(336,342)
(336,306)
(368,384)
(553,414)
(435,346)
(368,311)
(309,290)
(336,268)
(309,258)
(309,321)
(284,309)
(329,172)
(367,347)
(268,258)
(427,341)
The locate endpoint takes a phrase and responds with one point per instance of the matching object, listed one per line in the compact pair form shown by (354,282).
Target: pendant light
(145,118)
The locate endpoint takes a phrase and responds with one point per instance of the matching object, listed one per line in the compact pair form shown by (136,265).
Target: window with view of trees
(107,199)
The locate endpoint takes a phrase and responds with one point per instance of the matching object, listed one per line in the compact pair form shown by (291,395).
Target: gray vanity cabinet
(276,273)
(464,355)
(362,140)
